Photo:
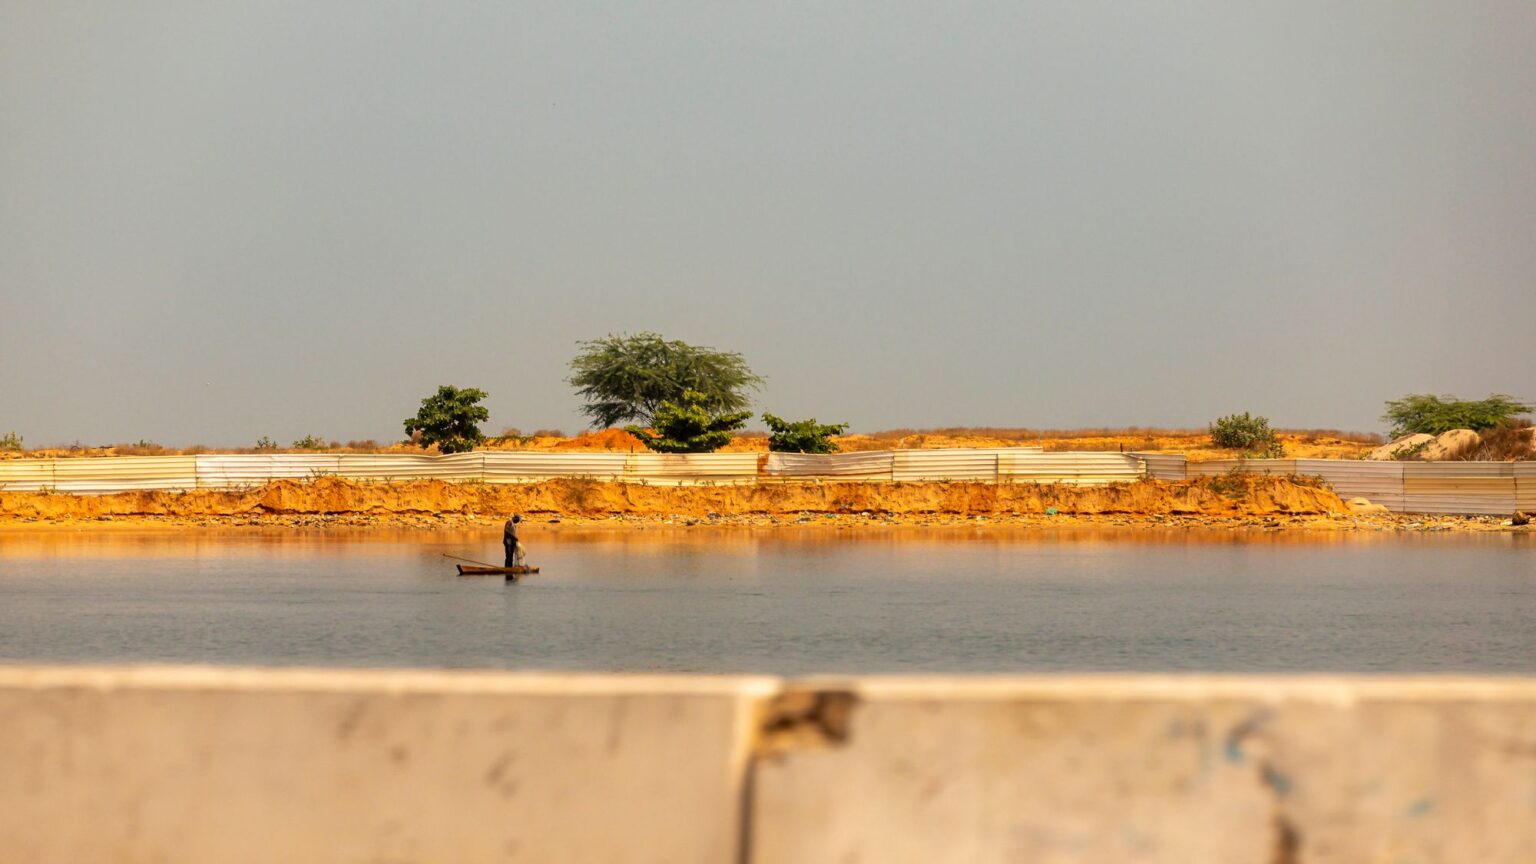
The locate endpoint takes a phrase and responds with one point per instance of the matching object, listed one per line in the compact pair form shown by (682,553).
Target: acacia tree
(689,426)
(1433,415)
(627,378)
(449,418)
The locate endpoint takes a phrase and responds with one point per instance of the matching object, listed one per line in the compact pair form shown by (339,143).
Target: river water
(786,601)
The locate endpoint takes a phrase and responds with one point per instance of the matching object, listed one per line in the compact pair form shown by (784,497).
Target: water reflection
(664,541)
(788,600)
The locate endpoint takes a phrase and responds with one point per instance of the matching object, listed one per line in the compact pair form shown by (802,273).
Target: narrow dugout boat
(510,572)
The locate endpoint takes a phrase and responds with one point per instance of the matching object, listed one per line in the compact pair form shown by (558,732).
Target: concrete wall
(197,765)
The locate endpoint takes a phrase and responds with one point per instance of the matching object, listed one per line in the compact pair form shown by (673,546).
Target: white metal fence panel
(1165,466)
(26,475)
(87,476)
(233,470)
(410,466)
(525,467)
(679,468)
(869,465)
(1525,486)
(1480,488)
(967,465)
(1217,467)
(1380,482)
(1079,469)
(1445,487)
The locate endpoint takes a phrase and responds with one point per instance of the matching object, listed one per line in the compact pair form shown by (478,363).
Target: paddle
(469,560)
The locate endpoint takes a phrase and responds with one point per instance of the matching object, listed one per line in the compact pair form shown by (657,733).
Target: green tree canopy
(449,418)
(802,436)
(1433,415)
(627,378)
(689,426)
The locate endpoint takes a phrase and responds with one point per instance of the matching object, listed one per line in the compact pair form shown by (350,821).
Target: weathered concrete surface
(172,765)
(1279,771)
(225,765)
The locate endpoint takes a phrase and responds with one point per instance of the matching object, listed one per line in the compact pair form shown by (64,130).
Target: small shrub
(513,435)
(310,442)
(1233,484)
(450,419)
(265,443)
(549,433)
(690,427)
(10,441)
(1409,454)
(1316,481)
(802,436)
(1247,433)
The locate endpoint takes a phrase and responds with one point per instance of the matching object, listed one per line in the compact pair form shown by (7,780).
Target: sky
(221,221)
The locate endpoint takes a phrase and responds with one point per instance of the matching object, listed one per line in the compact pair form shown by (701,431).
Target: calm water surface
(785,601)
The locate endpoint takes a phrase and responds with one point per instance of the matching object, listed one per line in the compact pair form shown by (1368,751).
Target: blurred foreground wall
(245,765)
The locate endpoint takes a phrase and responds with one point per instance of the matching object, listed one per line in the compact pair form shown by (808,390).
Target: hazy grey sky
(226,220)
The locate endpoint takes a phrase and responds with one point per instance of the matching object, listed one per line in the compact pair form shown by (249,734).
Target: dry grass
(1031,434)
(1315,436)
(1513,441)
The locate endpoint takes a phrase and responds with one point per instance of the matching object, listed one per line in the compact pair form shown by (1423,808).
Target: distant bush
(1246,433)
(689,427)
(309,442)
(10,441)
(549,433)
(1433,415)
(450,419)
(802,436)
(265,443)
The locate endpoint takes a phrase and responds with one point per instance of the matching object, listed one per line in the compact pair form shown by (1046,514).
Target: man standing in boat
(509,542)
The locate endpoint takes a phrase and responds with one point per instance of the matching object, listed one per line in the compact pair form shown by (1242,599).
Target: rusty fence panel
(1171,467)
(872,465)
(459,467)
(1476,488)
(1525,486)
(1379,482)
(673,469)
(1077,469)
(237,470)
(26,475)
(531,467)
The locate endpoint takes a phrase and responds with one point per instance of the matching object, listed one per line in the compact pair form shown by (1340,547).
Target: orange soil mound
(1245,496)
(605,439)
(1196,445)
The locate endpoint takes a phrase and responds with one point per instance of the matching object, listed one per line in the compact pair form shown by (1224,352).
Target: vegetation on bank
(1250,434)
(682,398)
(802,436)
(625,378)
(689,425)
(449,419)
(1419,413)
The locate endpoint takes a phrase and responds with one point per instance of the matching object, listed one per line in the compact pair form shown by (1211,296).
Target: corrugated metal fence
(1494,488)
(1473,488)
(235,471)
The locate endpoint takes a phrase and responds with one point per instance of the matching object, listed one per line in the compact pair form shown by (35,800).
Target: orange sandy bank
(1216,497)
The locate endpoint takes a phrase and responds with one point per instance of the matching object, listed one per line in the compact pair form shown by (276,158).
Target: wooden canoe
(509,572)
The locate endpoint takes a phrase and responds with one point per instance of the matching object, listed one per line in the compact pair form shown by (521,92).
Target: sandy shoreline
(489,525)
(1251,502)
